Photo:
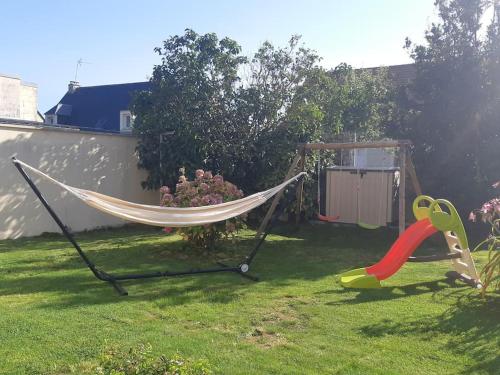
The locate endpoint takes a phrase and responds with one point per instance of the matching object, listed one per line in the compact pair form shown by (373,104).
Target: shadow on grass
(396,292)
(48,264)
(472,323)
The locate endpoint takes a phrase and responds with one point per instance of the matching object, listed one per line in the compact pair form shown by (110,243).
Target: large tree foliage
(243,118)
(451,110)
(263,110)
(192,95)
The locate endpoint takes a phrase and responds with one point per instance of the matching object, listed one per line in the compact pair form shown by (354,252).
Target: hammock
(158,216)
(167,216)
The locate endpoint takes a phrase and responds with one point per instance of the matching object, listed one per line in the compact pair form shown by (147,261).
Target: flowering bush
(204,190)
(490,213)
(141,360)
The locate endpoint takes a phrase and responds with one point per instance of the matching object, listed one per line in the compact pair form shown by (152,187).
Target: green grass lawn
(296,320)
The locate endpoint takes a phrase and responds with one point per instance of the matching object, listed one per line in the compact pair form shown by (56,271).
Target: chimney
(73,85)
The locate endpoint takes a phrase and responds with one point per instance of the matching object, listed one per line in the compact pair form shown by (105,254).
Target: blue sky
(42,41)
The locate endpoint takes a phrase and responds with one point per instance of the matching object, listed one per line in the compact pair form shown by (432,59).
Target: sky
(41,42)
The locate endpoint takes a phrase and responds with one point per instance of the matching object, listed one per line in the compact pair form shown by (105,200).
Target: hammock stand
(241,268)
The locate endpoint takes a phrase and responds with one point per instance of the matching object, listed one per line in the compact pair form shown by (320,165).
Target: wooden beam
(355,145)
(278,196)
(413,175)
(402,191)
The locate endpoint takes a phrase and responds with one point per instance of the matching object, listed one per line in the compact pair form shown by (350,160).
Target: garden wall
(96,161)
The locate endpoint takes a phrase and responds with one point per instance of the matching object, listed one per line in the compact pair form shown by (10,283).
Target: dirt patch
(265,339)
(282,314)
(286,314)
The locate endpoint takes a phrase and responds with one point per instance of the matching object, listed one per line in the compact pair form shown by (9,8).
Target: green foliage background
(243,117)
(451,110)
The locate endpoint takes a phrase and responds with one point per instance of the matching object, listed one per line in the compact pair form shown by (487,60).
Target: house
(400,75)
(18,100)
(99,108)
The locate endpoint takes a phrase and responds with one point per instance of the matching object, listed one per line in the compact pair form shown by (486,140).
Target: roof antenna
(79,63)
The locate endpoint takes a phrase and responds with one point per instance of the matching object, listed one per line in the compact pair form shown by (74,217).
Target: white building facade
(18,99)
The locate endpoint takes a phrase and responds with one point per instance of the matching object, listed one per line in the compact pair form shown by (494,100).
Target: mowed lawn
(296,320)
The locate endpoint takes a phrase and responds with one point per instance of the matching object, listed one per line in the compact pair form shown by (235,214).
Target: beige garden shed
(361,195)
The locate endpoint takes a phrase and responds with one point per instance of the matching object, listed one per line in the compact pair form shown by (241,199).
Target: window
(126,121)
(51,119)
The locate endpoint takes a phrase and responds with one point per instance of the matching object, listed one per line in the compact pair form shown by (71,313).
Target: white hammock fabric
(167,216)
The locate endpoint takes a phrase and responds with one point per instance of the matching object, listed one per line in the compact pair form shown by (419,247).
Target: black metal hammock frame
(241,268)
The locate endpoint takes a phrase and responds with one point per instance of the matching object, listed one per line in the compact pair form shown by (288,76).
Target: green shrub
(204,190)
(141,361)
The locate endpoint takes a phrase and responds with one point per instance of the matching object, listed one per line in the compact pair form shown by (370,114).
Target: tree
(446,113)
(264,106)
(248,129)
(192,95)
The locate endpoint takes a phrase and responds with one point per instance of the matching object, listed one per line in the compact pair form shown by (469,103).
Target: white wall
(18,100)
(28,102)
(101,162)
(10,92)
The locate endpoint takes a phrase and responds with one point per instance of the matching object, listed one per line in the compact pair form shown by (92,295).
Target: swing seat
(368,226)
(328,219)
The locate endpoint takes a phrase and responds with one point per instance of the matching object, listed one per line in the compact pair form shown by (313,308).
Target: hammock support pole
(240,269)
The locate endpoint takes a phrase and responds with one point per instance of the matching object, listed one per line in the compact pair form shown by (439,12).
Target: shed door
(373,196)
(341,197)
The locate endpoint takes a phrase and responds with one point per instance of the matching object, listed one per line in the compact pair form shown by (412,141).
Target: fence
(96,161)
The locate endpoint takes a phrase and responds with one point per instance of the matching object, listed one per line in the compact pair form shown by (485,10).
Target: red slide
(402,249)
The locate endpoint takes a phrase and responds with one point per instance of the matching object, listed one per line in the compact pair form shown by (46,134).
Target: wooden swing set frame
(406,166)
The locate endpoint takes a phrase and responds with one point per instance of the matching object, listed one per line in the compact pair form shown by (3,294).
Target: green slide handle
(447,221)
(442,220)
(422,212)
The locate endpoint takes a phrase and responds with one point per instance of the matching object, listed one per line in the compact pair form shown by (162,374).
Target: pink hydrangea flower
(205,200)
(472,217)
(216,199)
(496,184)
(205,189)
(167,198)
(487,208)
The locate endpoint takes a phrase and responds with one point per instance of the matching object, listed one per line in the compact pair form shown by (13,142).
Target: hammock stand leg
(97,273)
(241,269)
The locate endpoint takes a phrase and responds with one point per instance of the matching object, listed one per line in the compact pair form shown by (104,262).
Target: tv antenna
(79,63)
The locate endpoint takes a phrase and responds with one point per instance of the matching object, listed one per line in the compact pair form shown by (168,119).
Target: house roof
(399,74)
(96,107)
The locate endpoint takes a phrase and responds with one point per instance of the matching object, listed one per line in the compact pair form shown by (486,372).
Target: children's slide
(430,219)
(398,254)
